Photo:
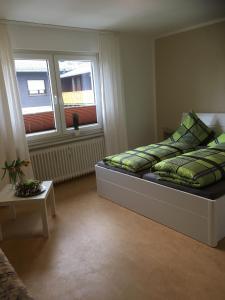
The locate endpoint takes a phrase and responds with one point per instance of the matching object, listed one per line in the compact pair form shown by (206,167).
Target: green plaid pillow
(191,131)
(219,140)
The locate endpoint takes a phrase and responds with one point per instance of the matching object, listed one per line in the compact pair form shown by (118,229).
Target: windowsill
(66,139)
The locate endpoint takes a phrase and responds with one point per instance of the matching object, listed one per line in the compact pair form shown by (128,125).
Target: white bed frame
(198,217)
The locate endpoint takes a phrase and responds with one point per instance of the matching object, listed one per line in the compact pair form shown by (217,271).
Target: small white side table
(7,198)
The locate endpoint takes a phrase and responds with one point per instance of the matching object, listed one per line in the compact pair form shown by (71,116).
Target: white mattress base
(200,218)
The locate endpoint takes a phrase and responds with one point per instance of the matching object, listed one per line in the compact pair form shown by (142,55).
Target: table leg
(13,211)
(52,201)
(1,235)
(44,217)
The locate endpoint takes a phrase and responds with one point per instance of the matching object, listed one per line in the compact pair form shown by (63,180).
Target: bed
(197,216)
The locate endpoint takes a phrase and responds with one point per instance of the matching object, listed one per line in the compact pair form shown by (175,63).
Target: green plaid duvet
(145,157)
(196,169)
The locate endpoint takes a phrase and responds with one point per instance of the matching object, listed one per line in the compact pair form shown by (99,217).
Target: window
(77,92)
(59,94)
(36,87)
(38,112)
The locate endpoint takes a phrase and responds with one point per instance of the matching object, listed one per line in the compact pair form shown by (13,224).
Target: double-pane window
(59,94)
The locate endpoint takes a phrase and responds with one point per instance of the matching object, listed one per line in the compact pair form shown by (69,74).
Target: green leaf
(4,173)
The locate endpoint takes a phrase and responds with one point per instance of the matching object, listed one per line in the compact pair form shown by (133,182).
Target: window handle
(55,100)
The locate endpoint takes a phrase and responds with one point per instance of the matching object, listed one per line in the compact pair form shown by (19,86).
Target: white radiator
(67,161)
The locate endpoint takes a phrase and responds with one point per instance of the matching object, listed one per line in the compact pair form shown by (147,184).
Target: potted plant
(23,187)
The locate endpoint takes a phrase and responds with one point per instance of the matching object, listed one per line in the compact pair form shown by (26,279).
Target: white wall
(137,66)
(190,74)
(52,39)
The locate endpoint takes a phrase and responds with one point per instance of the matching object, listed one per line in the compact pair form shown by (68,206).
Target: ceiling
(155,16)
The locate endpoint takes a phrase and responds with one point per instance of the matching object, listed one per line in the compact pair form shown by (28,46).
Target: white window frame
(84,129)
(36,94)
(61,133)
(33,137)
